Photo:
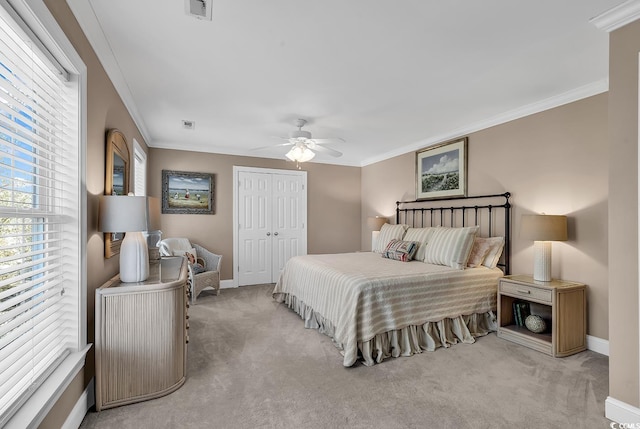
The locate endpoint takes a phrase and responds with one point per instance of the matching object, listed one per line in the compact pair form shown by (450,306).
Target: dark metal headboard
(459,213)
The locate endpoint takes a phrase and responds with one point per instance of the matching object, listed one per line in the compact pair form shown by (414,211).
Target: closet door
(271,224)
(289,232)
(254,228)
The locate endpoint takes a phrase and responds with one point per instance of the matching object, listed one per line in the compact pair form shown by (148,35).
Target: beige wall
(554,162)
(105,110)
(624,45)
(333,202)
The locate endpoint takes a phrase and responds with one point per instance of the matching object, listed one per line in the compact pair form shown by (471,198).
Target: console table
(141,335)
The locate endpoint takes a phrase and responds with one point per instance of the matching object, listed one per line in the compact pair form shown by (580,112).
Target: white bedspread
(362,294)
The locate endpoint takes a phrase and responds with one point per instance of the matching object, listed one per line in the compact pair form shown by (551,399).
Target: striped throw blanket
(363,294)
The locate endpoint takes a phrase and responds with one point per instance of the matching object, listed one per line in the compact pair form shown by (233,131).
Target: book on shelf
(525,311)
(521,310)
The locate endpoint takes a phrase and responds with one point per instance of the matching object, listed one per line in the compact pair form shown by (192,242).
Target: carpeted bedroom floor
(251,364)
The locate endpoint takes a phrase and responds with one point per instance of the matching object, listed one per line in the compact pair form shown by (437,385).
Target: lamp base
(134,258)
(542,261)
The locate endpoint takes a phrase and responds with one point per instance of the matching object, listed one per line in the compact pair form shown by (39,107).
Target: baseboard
(226,284)
(598,345)
(85,402)
(621,412)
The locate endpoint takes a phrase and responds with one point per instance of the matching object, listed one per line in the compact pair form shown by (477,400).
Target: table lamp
(543,229)
(128,214)
(374,223)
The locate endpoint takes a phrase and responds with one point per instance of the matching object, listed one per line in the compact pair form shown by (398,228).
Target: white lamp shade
(122,213)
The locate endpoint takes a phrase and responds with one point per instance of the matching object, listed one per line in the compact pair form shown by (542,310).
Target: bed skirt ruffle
(405,341)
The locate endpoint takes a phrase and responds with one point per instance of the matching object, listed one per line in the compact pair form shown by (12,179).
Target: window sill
(40,403)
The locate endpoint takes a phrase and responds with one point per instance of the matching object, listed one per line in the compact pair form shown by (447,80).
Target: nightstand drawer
(526,292)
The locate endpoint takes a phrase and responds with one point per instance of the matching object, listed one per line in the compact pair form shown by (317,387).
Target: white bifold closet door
(272,217)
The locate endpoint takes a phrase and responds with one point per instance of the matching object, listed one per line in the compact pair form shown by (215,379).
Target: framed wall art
(187,192)
(441,170)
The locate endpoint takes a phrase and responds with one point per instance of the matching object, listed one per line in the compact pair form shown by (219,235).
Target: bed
(376,307)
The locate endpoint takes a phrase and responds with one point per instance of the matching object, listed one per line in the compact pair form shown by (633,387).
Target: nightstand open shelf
(562,304)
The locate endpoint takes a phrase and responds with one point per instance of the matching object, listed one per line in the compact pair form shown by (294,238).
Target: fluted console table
(141,335)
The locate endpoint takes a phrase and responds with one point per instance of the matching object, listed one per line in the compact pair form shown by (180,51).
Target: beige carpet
(253,365)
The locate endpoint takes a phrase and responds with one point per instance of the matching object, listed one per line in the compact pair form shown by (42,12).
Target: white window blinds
(139,169)
(39,217)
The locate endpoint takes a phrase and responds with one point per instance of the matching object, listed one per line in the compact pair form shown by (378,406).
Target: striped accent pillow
(450,246)
(388,232)
(400,250)
(421,236)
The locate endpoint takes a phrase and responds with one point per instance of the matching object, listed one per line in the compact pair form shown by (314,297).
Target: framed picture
(441,170)
(187,192)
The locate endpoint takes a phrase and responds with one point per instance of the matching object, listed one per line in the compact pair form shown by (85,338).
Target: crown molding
(576,94)
(617,16)
(86,17)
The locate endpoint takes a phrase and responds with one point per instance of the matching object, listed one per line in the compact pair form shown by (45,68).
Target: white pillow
(492,258)
(450,246)
(479,251)
(388,232)
(421,236)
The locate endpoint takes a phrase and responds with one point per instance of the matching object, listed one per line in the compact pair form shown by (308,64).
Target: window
(42,219)
(139,169)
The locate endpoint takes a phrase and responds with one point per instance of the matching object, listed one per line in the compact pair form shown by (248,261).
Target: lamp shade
(374,223)
(544,227)
(122,213)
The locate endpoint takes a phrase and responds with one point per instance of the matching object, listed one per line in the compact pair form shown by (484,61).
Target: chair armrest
(212,261)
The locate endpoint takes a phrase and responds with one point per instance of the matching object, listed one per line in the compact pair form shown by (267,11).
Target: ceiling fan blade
(272,146)
(330,140)
(327,150)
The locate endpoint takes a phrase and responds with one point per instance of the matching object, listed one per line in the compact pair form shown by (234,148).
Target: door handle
(275,233)
(268,234)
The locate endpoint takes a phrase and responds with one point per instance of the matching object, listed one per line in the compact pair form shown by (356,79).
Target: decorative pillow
(196,268)
(493,256)
(388,232)
(421,236)
(479,250)
(450,246)
(400,250)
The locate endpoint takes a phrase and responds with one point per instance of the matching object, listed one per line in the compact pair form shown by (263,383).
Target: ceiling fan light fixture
(300,154)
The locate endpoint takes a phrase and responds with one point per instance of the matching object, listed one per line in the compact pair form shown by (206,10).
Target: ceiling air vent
(188,125)
(200,9)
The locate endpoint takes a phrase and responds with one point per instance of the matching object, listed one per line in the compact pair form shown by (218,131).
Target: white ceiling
(388,76)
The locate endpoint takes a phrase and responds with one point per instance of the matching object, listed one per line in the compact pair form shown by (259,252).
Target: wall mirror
(116,182)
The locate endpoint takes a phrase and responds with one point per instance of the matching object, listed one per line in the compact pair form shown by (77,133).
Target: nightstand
(561,303)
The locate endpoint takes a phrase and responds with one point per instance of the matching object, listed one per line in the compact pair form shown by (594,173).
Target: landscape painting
(187,192)
(441,170)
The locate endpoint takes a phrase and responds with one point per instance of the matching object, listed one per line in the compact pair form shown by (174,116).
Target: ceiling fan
(304,146)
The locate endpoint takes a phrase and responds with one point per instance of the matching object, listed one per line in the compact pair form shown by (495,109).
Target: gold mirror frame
(116,182)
